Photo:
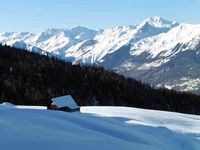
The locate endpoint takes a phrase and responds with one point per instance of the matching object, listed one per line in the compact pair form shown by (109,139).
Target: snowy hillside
(101,128)
(156,51)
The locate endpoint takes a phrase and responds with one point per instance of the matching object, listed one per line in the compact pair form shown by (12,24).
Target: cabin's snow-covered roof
(65,101)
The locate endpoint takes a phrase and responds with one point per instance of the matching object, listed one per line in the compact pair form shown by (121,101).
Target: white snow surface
(97,128)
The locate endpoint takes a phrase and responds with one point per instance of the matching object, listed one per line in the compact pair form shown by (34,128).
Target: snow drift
(101,128)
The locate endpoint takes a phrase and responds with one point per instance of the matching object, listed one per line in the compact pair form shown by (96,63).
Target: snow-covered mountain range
(157,51)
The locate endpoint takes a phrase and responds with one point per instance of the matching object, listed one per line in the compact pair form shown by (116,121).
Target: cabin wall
(67,109)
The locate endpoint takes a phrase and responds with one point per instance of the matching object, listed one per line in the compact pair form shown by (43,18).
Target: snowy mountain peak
(159,22)
(53,30)
(79,27)
(124,27)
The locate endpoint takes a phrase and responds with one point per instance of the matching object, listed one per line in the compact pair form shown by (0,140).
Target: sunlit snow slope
(97,128)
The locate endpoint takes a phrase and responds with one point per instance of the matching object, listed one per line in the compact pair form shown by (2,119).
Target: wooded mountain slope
(32,79)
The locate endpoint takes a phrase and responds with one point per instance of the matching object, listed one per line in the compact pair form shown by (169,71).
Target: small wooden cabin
(64,103)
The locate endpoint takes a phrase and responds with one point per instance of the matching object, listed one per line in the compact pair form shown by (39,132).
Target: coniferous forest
(28,78)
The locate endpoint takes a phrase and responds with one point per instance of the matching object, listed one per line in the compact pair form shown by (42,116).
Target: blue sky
(37,15)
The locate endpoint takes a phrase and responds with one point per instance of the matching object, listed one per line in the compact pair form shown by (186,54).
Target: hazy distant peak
(159,22)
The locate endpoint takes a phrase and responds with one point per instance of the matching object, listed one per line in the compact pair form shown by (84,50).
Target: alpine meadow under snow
(102,128)
(157,51)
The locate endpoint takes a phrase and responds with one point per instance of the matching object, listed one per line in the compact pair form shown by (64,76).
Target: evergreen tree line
(28,78)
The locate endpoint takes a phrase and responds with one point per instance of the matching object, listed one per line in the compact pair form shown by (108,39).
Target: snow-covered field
(97,128)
